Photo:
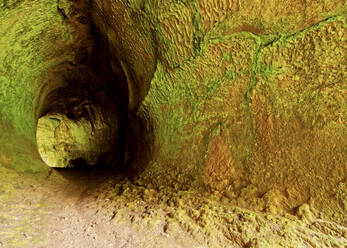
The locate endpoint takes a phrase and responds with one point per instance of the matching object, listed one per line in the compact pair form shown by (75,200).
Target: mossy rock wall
(250,97)
(244,98)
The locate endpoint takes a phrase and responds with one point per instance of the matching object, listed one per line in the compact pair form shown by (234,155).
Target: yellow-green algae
(66,143)
(191,98)
(30,33)
(31,38)
(263,80)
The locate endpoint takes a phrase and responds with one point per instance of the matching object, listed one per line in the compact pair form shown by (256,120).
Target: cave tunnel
(173,123)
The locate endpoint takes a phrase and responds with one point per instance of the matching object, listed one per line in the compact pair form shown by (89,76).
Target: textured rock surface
(252,106)
(65,143)
(238,122)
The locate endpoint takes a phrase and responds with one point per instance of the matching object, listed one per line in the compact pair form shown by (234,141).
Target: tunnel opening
(87,111)
(220,170)
(82,125)
(83,113)
(64,142)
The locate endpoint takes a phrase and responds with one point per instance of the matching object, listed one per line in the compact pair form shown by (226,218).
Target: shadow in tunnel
(96,75)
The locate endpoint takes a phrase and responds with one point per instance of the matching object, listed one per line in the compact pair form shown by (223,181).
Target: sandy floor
(118,213)
(78,209)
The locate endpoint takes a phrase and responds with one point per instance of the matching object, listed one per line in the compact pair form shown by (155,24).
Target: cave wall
(245,98)
(34,38)
(248,99)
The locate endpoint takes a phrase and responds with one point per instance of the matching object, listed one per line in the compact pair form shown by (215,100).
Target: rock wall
(248,98)
(242,100)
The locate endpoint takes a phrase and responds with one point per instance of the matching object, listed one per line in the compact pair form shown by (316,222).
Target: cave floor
(104,210)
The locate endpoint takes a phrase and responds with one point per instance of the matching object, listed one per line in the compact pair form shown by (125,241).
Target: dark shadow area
(139,146)
(95,78)
(90,90)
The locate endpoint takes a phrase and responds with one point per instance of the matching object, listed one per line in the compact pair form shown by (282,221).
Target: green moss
(28,48)
(264,82)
